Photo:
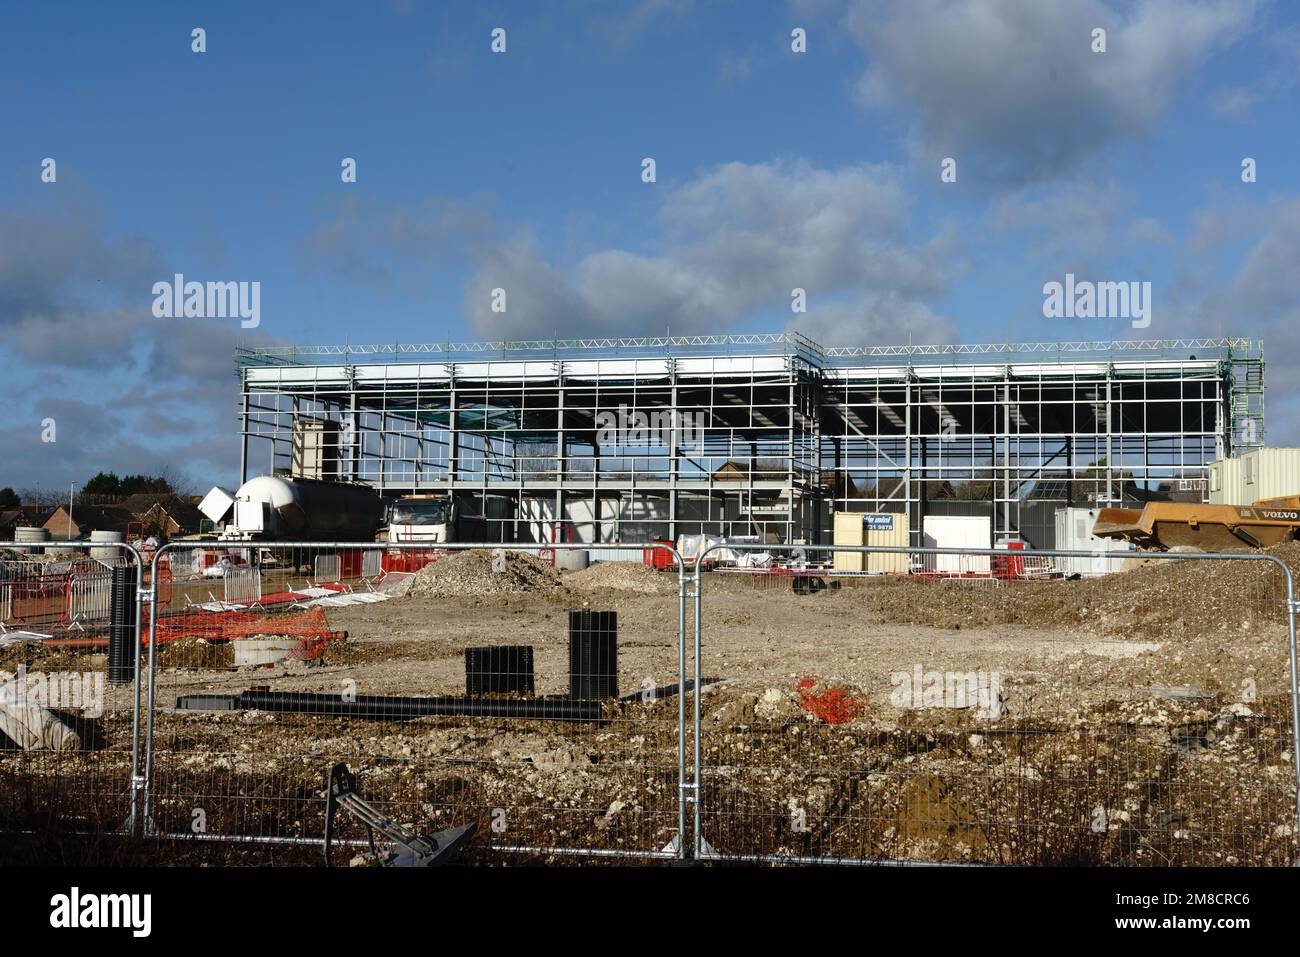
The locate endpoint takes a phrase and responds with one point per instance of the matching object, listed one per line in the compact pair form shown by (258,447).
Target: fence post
(1293,609)
(682,595)
(146,779)
(697,791)
(134,786)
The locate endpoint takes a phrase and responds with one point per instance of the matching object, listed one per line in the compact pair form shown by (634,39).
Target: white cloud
(1260,298)
(634,20)
(1148,231)
(736,241)
(128,392)
(877,318)
(1068,222)
(1012,88)
(362,234)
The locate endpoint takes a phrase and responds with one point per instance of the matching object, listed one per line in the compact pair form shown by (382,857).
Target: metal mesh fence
(467,685)
(1007,717)
(69,689)
(989,708)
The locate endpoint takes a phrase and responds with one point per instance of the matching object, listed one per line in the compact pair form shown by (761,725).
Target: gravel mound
(622,576)
(1162,598)
(471,574)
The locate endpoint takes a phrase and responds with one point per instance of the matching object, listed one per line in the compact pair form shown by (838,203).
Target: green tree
(136,484)
(105,483)
(9,498)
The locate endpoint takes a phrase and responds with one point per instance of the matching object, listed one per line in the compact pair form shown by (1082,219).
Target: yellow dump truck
(1209,528)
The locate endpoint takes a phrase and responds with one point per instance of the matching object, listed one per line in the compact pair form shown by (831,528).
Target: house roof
(1081,486)
(893,487)
(733,471)
(25,515)
(111,518)
(183,513)
(141,502)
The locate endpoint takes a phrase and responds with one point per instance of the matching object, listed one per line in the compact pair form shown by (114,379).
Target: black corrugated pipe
(123,652)
(397,707)
(665,691)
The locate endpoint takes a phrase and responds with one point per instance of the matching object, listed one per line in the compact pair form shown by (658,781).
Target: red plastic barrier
(219,626)
(1010,566)
(407,560)
(658,558)
(350,563)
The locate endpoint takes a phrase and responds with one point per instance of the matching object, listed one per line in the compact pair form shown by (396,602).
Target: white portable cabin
(1074,533)
(957,531)
(1260,473)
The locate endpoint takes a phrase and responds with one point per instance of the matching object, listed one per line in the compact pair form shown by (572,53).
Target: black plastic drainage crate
(499,669)
(593,653)
(122,639)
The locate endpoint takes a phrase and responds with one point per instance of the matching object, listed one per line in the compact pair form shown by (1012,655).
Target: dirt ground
(1143,718)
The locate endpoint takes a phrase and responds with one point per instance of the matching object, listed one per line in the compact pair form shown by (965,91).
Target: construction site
(613,447)
(718,599)
(631,440)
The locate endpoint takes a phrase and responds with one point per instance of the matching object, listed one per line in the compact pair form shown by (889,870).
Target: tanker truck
(270,509)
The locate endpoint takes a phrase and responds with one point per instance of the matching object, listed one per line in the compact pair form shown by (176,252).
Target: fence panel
(1140,718)
(328,568)
(33,595)
(242,585)
(68,759)
(89,595)
(460,693)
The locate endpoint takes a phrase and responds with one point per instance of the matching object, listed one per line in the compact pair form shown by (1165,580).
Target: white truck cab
(421,520)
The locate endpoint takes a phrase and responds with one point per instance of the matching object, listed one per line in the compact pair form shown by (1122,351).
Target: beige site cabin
(878,529)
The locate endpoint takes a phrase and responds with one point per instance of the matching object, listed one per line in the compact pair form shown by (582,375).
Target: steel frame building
(768,434)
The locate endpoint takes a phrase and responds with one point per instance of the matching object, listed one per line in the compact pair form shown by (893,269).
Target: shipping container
(872,529)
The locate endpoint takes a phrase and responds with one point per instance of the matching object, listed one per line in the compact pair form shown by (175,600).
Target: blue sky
(522,171)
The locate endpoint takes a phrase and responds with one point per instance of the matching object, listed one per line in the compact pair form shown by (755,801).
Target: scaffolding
(765,435)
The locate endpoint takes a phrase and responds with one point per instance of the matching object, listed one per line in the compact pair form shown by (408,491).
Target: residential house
(86,519)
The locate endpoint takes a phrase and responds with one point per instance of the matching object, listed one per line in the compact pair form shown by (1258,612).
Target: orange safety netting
(303,624)
(832,705)
(218,626)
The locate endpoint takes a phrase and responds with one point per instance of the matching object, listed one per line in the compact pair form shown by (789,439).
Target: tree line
(103,488)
